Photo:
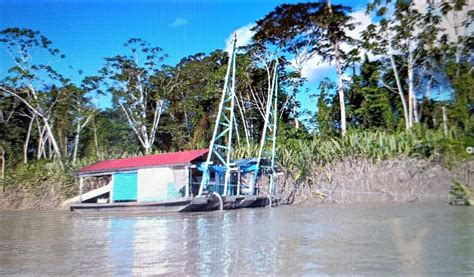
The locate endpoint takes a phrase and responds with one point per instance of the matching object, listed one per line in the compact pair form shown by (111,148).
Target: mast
(220,148)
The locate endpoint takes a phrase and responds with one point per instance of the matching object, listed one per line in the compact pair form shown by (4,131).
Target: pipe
(221,202)
(269,198)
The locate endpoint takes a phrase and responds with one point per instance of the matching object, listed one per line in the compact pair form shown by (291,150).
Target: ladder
(220,148)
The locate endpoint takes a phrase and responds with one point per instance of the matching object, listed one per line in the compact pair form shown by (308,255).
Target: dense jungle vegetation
(404,88)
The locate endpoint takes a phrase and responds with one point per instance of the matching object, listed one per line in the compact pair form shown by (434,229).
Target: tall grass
(300,158)
(371,145)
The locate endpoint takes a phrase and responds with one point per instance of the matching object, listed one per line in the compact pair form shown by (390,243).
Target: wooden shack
(151,178)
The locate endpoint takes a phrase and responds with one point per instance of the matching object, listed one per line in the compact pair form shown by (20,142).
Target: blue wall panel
(125,187)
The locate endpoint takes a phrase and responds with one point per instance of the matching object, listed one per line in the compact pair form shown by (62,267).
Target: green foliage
(38,178)
(325,117)
(373,145)
(369,105)
(460,191)
(461,110)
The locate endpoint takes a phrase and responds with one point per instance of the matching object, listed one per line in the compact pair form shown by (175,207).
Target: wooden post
(238,183)
(188,172)
(111,194)
(445,120)
(81,184)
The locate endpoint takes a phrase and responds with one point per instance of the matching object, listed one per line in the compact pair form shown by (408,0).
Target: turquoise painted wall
(171,192)
(125,187)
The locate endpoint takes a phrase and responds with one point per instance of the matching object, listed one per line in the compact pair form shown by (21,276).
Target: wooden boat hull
(196,204)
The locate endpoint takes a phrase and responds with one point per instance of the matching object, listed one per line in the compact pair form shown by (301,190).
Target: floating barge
(190,181)
(163,183)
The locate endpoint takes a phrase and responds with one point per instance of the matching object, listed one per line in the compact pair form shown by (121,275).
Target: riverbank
(363,181)
(348,181)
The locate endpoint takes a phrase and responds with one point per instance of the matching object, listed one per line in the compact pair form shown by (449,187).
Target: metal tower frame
(220,148)
(269,132)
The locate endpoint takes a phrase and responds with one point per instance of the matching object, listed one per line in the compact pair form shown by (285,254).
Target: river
(368,239)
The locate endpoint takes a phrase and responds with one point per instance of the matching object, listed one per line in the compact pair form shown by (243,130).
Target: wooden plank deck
(88,195)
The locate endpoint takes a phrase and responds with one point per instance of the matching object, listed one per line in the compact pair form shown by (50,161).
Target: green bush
(461,192)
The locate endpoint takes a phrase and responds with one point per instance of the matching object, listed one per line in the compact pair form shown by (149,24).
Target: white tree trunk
(412,107)
(96,141)
(428,89)
(293,101)
(445,120)
(400,91)
(244,122)
(340,90)
(79,129)
(53,141)
(27,140)
(76,142)
(39,150)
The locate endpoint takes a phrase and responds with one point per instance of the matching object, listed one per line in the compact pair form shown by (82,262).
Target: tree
(139,88)
(369,104)
(198,86)
(459,16)
(30,82)
(313,29)
(324,116)
(82,113)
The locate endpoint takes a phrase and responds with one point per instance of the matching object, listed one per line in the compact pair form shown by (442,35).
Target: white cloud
(360,20)
(179,22)
(244,37)
(315,70)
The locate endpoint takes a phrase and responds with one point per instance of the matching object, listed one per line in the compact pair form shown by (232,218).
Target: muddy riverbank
(350,181)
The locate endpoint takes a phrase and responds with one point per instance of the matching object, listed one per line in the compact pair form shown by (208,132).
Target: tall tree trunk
(53,141)
(244,122)
(293,100)
(50,150)
(147,149)
(400,91)
(428,89)
(27,140)
(410,98)
(459,46)
(445,120)
(96,141)
(340,90)
(412,106)
(76,142)
(39,150)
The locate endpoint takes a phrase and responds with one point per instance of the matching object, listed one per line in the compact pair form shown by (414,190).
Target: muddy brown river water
(367,239)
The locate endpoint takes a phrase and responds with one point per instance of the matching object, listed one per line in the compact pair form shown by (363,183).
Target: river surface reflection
(415,238)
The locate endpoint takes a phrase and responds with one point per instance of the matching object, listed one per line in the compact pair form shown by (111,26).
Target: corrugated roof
(166,159)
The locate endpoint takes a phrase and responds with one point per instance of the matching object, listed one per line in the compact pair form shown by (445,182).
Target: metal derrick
(219,160)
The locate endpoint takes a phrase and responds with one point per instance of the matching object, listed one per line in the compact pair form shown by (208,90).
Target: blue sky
(87,31)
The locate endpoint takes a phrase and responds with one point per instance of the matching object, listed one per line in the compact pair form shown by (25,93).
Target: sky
(87,31)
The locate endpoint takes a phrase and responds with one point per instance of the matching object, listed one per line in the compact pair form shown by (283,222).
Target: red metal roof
(166,159)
